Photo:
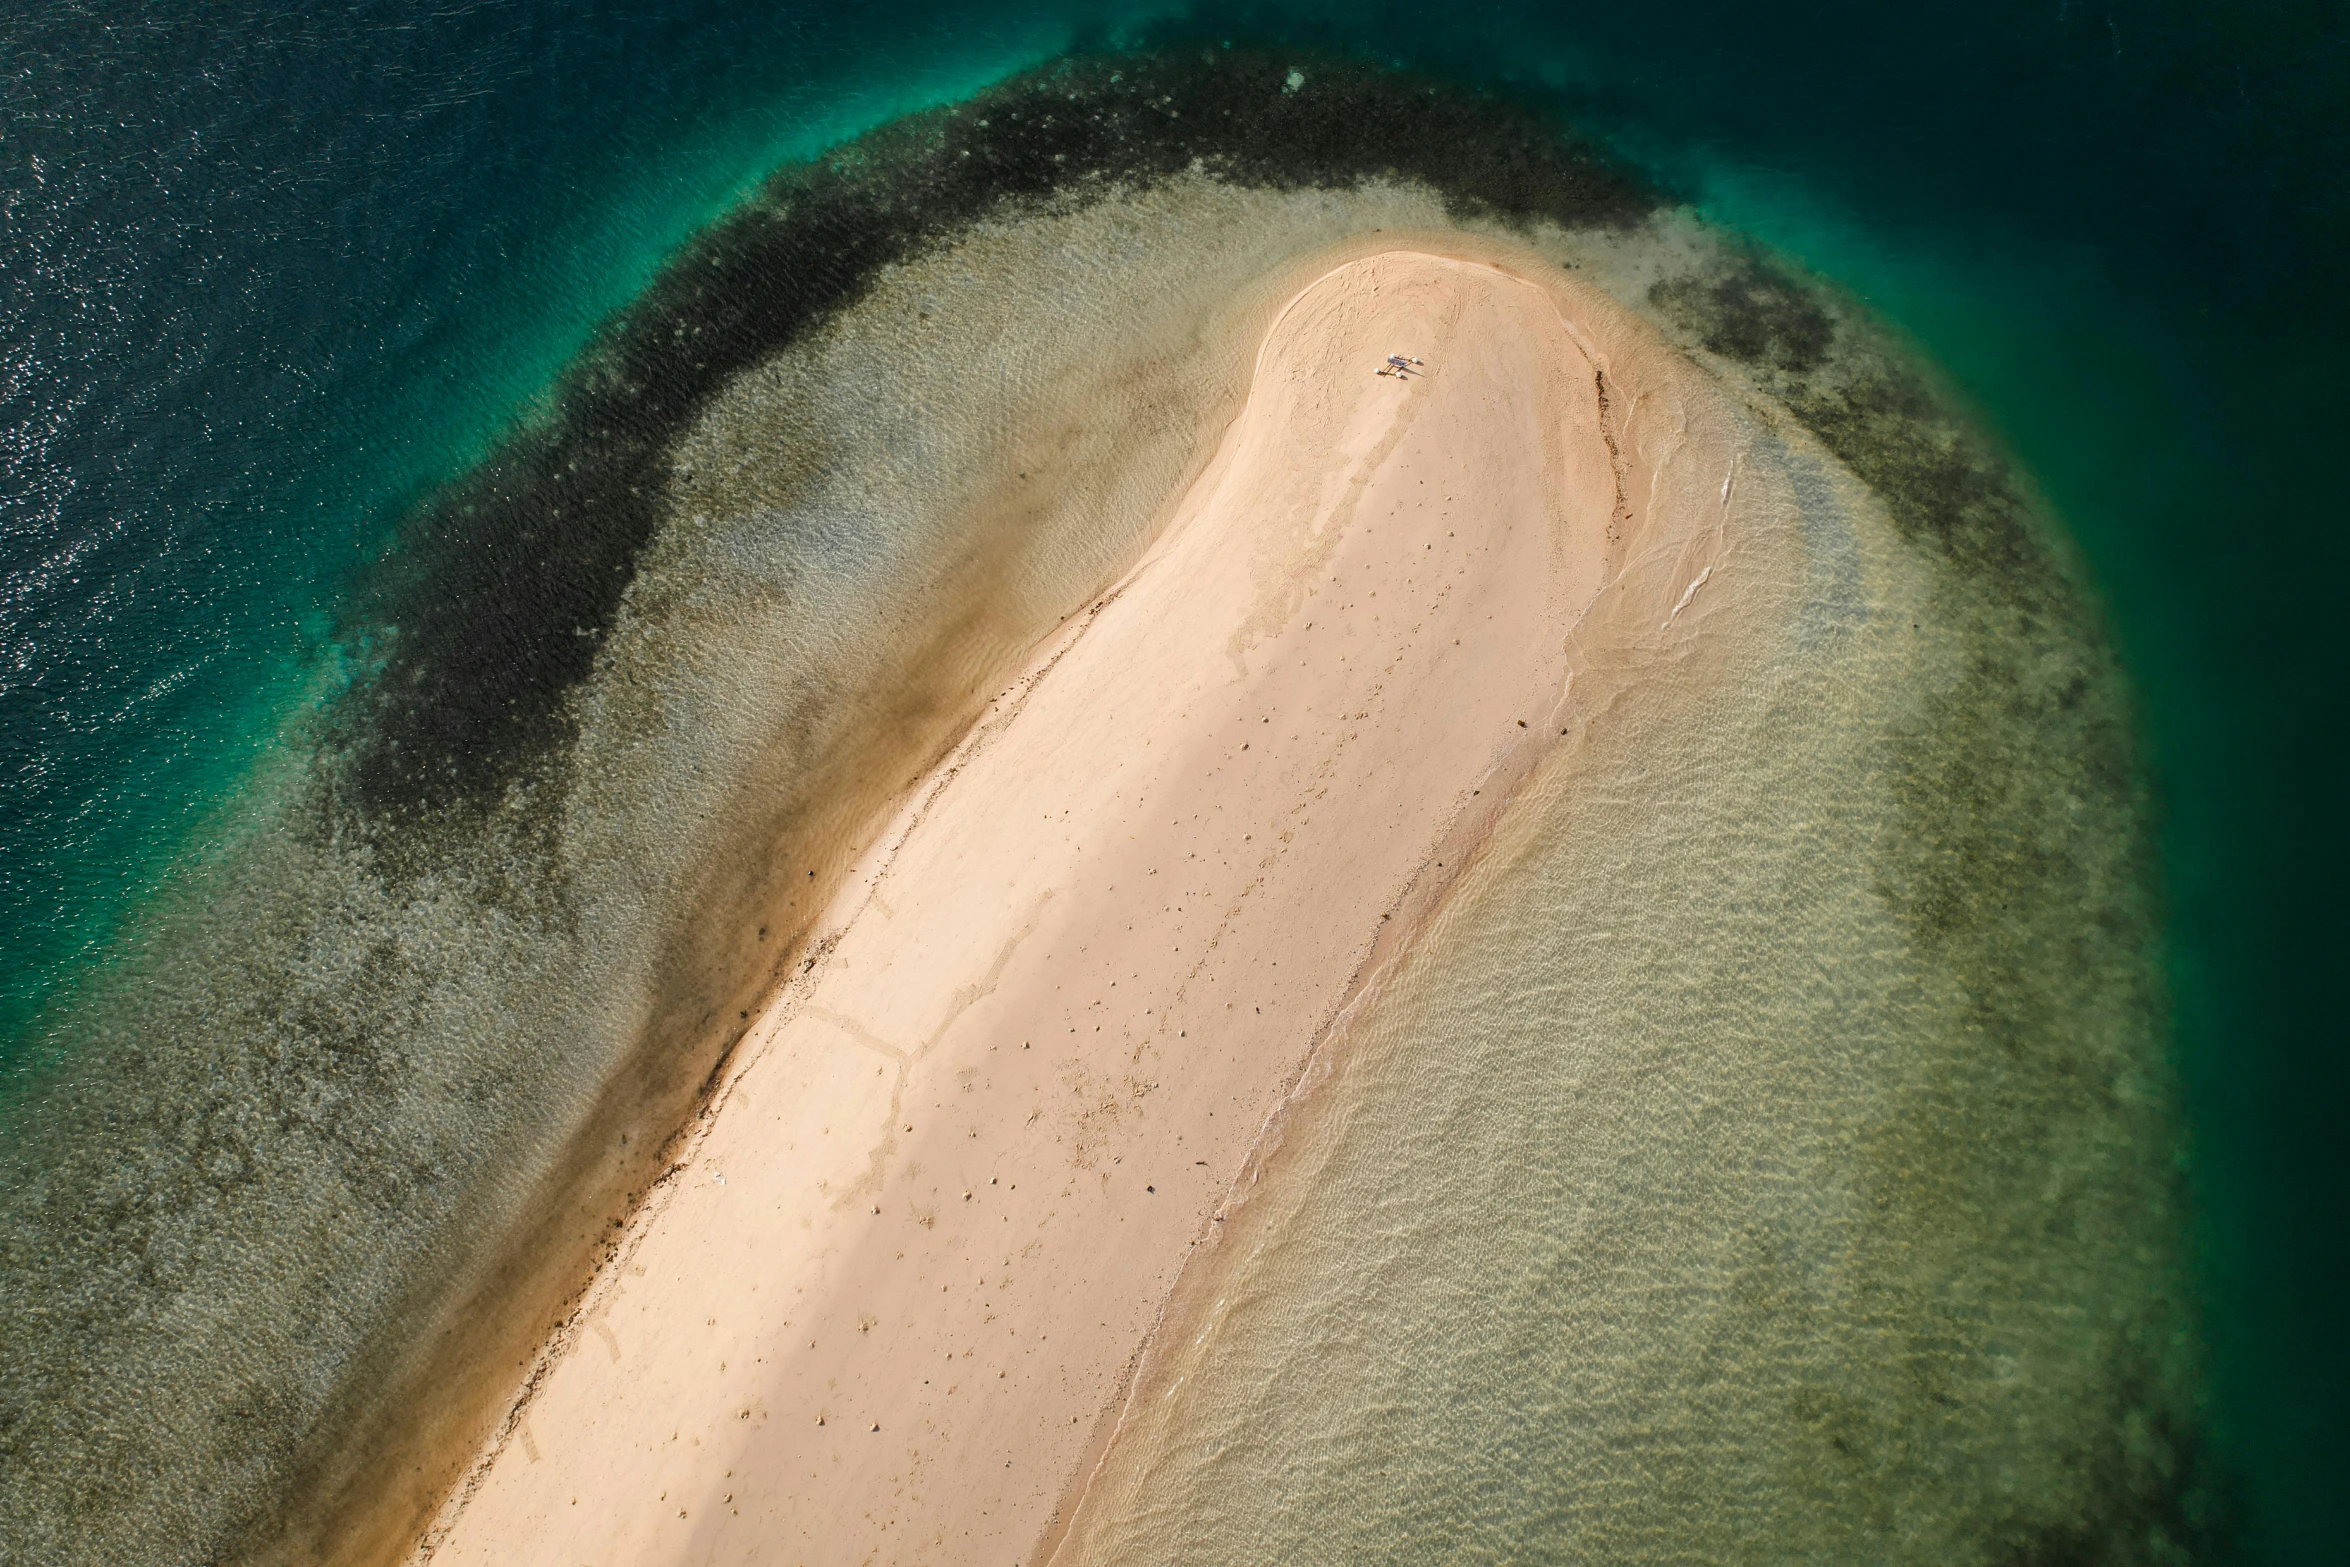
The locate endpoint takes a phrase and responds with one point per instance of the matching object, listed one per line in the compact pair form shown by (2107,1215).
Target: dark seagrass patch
(493,604)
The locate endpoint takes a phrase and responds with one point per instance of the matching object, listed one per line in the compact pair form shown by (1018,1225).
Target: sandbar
(886,1308)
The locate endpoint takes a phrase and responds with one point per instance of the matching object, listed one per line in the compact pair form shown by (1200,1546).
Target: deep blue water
(272,271)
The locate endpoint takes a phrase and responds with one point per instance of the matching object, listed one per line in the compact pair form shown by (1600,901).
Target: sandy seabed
(891,1305)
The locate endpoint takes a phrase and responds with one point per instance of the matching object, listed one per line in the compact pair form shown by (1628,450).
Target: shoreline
(491,1506)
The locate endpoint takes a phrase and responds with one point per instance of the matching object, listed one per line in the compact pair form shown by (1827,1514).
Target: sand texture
(887,1308)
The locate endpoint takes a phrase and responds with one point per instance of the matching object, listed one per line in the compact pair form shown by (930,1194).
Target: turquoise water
(285,273)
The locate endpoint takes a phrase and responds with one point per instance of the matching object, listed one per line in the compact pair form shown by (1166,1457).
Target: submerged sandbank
(894,1295)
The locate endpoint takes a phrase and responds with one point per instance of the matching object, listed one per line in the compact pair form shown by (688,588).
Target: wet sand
(887,1307)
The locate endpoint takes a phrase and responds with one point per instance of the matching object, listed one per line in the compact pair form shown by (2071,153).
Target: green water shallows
(1769,1155)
